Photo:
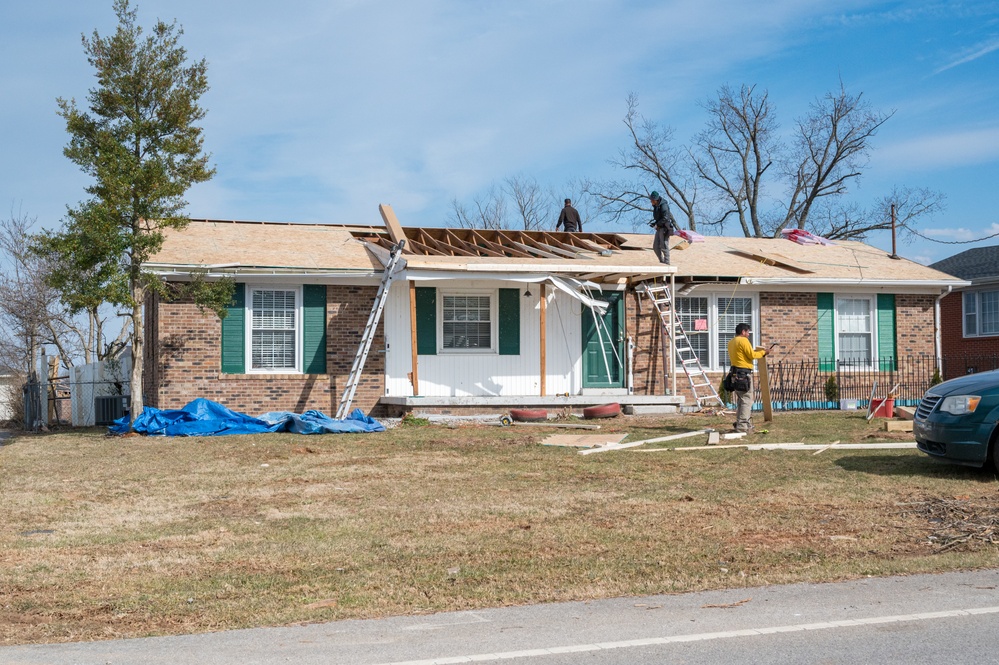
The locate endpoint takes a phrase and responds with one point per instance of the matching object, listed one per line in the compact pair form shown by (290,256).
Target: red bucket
(883,408)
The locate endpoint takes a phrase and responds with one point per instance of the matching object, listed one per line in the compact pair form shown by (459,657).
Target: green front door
(603,349)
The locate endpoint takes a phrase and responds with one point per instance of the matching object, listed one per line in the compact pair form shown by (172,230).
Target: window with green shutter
(426,321)
(509,322)
(314,329)
(826,330)
(887,355)
(234,333)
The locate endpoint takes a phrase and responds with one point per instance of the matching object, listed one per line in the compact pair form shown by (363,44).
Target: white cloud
(970,55)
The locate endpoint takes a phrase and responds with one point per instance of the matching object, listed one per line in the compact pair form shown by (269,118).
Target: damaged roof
(235,247)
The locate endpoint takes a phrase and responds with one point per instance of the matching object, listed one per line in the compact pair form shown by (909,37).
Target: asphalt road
(952,618)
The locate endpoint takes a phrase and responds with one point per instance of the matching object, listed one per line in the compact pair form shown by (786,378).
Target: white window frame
(248,339)
(966,312)
(718,358)
(872,300)
(493,295)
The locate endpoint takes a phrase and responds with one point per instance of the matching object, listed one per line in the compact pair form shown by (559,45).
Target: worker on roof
(569,219)
(663,223)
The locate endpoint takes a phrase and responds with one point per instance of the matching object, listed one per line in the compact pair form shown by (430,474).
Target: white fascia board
(812,284)
(277,274)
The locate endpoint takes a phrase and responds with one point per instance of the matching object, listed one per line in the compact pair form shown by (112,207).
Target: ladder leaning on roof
(388,274)
(700,385)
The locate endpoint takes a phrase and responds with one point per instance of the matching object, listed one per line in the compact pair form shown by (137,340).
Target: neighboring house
(504,318)
(970,315)
(10,394)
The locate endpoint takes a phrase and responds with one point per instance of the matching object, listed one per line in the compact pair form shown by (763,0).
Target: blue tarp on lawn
(202,417)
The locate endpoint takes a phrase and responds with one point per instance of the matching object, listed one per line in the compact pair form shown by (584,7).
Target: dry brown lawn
(121,537)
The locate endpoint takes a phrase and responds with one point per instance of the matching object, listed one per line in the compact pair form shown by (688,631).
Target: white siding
(481,374)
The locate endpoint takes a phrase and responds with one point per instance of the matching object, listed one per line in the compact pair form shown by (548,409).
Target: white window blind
(466,322)
(273,329)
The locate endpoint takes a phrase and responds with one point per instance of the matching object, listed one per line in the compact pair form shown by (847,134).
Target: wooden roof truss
(502,243)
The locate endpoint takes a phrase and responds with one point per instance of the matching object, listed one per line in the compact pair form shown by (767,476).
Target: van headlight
(959,405)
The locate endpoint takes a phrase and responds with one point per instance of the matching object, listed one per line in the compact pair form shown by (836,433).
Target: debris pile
(958,522)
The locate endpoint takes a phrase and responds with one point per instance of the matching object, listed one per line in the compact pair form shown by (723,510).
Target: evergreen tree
(141,143)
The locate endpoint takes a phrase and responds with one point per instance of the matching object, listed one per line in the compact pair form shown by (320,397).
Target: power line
(952,242)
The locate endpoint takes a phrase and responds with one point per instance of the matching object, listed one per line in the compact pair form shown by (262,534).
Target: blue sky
(320,110)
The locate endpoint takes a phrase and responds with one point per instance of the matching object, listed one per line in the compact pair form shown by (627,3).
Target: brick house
(970,314)
(482,321)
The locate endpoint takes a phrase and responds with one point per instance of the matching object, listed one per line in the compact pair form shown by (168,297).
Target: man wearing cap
(663,222)
(741,355)
(569,219)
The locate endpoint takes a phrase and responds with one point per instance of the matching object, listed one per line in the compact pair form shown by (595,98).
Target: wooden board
(393,226)
(905,412)
(583,440)
(898,425)
(768,407)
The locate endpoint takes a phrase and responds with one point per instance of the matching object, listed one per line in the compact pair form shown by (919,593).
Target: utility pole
(894,255)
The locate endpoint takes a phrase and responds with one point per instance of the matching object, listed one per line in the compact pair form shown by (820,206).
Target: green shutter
(886,332)
(426,321)
(826,331)
(314,329)
(233,333)
(509,322)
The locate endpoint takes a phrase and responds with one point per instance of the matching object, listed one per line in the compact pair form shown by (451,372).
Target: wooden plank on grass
(898,425)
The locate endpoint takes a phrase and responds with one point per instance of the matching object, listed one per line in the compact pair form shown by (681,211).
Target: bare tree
(32,313)
(831,149)
(853,223)
(654,163)
(487,212)
(736,151)
(532,203)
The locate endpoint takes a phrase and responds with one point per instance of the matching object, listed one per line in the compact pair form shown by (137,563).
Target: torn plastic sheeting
(203,417)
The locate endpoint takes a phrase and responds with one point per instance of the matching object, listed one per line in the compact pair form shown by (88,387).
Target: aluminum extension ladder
(388,274)
(700,385)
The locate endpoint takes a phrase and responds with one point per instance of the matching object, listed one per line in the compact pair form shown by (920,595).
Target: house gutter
(937,334)
(851,281)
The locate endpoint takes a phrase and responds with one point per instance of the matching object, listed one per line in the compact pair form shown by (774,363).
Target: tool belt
(738,379)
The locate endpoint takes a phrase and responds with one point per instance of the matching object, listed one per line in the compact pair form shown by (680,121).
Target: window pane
(693,316)
(273,334)
(466,322)
(731,312)
(856,342)
(970,314)
(989,320)
(855,349)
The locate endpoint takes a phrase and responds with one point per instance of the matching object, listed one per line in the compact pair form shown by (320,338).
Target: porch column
(544,326)
(414,377)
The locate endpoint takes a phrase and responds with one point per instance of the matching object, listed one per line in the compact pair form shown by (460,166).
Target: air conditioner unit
(109,408)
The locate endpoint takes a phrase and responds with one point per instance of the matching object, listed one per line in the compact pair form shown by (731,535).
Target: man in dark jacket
(663,222)
(569,219)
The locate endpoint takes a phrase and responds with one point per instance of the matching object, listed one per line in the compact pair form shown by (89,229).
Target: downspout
(937,337)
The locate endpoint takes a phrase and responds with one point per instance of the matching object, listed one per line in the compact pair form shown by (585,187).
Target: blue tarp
(202,417)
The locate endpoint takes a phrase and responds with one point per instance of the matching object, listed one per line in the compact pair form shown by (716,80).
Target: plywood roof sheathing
(773,259)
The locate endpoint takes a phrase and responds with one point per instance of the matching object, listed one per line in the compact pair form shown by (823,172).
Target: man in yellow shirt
(741,355)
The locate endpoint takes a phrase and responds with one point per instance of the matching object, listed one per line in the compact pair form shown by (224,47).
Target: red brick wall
(914,333)
(961,353)
(183,361)
(642,324)
(790,319)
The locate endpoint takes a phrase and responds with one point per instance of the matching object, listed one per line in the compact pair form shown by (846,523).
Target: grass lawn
(121,537)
